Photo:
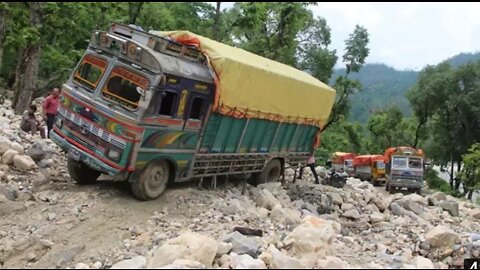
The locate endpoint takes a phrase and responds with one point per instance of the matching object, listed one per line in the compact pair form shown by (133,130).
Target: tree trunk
(417,132)
(470,194)
(27,69)
(457,180)
(2,28)
(134,9)
(451,170)
(216,24)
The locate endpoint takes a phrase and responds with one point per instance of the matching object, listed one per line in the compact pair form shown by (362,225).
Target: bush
(437,183)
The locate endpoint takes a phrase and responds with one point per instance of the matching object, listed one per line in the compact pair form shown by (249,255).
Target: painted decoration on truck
(170,139)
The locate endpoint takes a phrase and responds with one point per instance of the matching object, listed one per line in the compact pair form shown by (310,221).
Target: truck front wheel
(80,173)
(270,173)
(152,181)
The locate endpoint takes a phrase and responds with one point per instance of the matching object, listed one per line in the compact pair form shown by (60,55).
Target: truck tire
(152,181)
(270,173)
(418,191)
(82,174)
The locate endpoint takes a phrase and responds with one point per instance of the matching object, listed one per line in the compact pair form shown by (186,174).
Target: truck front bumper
(80,155)
(405,183)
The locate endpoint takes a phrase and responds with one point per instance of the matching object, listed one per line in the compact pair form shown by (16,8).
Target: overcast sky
(405,35)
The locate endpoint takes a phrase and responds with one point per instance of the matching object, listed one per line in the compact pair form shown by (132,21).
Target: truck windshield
(399,162)
(380,165)
(124,87)
(414,163)
(349,163)
(89,72)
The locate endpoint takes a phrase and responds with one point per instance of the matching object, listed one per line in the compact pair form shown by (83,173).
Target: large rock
(184,264)
(436,197)
(422,263)
(285,215)
(412,205)
(245,261)
(272,187)
(7,157)
(347,207)
(190,246)
(224,248)
(376,218)
(379,203)
(450,206)
(312,239)
(133,263)
(475,213)
(335,197)
(441,236)
(264,198)
(242,244)
(5,145)
(38,150)
(23,162)
(278,260)
(9,193)
(396,209)
(416,198)
(352,213)
(17,147)
(332,263)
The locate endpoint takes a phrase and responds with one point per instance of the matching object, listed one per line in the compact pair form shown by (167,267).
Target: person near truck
(50,107)
(312,165)
(30,123)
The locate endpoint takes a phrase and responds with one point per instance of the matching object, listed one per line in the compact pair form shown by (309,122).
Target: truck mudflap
(79,155)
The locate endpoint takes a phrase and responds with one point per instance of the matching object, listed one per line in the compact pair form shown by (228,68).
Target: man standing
(311,164)
(50,107)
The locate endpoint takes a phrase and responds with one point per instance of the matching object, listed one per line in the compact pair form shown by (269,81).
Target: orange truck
(343,162)
(404,168)
(370,167)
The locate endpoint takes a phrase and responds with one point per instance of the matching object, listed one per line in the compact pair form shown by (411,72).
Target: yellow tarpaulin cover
(253,86)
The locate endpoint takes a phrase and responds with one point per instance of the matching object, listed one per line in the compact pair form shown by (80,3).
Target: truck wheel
(152,181)
(418,191)
(270,173)
(80,173)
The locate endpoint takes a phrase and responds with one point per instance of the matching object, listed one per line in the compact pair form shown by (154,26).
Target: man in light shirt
(311,164)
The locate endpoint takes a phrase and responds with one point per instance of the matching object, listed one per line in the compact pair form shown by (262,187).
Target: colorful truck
(343,162)
(160,107)
(404,168)
(370,167)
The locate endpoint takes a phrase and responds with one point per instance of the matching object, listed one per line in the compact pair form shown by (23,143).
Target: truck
(404,169)
(153,108)
(370,168)
(343,162)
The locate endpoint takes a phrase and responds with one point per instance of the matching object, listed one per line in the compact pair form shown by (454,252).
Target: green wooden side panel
(223,135)
(235,133)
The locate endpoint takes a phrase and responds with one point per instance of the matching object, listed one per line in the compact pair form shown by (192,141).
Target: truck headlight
(113,154)
(59,122)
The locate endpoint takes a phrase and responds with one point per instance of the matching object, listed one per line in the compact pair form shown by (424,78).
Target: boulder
(245,261)
(224,248)
(441,236)
(376,218)
(312,239)
(347,207)
(412,205)
(184,264)
(475,213)
(422,263)
(379,203)
(17,147)
(332,263)
(352,213)
(190,246)
(5,145)
(264,198)
(416,198)
(133,263)
(9,193)
(7,157)
(23,162)
(242,244)
(335,197)
(38,150)
(450,206)
(396,209)
(285,215)
(278,260)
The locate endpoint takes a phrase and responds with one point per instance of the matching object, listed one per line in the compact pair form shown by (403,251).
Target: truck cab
(404,169)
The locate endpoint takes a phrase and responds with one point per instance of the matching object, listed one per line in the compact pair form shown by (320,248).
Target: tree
(470,174)
(3,18)
(216,24)
(356,52)
(27,68)
(134,9)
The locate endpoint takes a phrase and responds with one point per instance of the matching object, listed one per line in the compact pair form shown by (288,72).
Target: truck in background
(160,107)
(370,168)
(404,169)
(343,162)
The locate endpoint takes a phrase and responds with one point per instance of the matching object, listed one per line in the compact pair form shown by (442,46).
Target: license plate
(74,154)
